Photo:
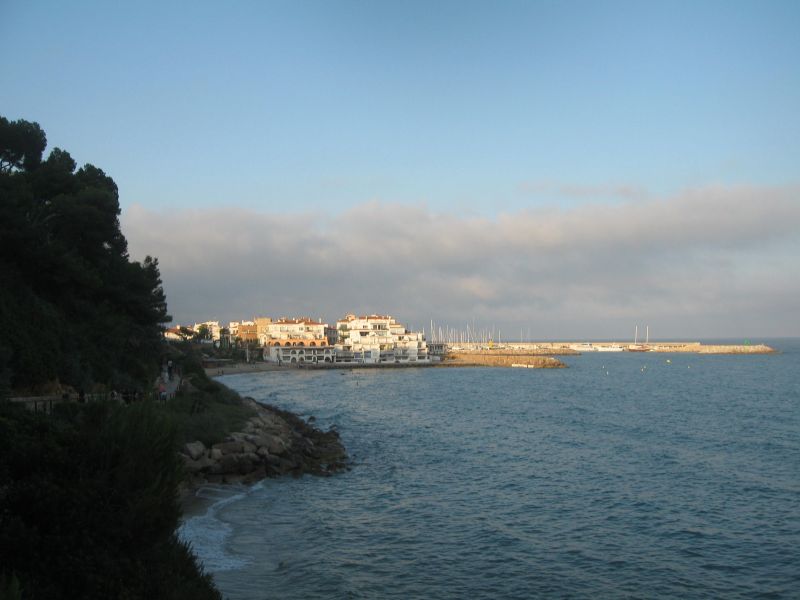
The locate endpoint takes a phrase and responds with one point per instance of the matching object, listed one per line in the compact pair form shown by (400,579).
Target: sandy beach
(234,368)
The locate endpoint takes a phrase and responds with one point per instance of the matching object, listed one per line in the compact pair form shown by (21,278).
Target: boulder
(259,441)
(229,463)
(196,466)
(194,450)
(215,453)
(274,460)
(251,458)
(229,447)
(275,445)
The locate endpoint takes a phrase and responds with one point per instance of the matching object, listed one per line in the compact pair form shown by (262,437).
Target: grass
(207,411)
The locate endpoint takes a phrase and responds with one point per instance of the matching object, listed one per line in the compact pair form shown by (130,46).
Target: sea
(626,475)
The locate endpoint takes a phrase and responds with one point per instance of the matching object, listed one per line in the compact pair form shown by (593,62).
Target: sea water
(625,475)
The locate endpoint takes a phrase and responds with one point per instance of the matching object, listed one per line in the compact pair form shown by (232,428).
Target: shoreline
(243,368)
(272,443)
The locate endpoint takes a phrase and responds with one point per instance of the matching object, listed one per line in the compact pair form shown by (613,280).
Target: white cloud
(708,262)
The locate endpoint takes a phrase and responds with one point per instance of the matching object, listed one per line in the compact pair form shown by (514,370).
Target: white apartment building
(295,341)
(377,338)
(285,330)
(371,339)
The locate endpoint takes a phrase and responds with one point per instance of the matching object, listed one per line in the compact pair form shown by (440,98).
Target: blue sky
(465,109)
(455,104)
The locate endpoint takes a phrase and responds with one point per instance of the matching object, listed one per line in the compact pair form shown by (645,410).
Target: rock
(229,447)
(285,465)
(259,440)
(196,466)
(273,443)
(229,463)
(274,460)
(194,450)
(251,458)
(255,475)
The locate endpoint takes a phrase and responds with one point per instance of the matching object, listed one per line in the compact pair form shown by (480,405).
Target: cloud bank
(711,262)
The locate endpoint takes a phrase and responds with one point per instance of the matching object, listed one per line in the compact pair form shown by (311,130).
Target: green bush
(89,504)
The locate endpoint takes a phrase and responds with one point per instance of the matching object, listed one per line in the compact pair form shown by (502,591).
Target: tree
(88,494)
(203,332)
(21,145)
(81,311)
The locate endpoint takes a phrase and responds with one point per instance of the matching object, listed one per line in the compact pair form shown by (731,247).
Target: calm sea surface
(623,476)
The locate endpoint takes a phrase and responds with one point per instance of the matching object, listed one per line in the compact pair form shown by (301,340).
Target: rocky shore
(271,443)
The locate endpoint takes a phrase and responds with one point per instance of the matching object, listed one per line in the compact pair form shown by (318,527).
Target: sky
(549,169)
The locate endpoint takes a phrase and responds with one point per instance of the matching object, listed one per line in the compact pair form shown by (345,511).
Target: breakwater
(576,347)
(500,358)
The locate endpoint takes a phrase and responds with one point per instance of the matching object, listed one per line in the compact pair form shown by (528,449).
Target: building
(295,340)
(247,331)
(262,328)
(293,331)
(233,328)
(213,329)
(174,334)
(370,339)
(378,339)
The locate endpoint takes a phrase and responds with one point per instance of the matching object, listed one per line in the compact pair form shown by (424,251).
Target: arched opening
(312,344)
(287,343)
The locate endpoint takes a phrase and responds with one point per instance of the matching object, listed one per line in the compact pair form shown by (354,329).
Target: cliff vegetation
(88,493)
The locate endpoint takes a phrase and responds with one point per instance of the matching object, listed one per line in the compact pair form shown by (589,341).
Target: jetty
(567,348)
(500,358)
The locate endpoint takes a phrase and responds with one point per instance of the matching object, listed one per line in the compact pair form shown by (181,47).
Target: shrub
(89,504)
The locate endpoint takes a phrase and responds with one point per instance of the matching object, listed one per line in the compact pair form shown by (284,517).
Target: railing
(40,403)
(44,404)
